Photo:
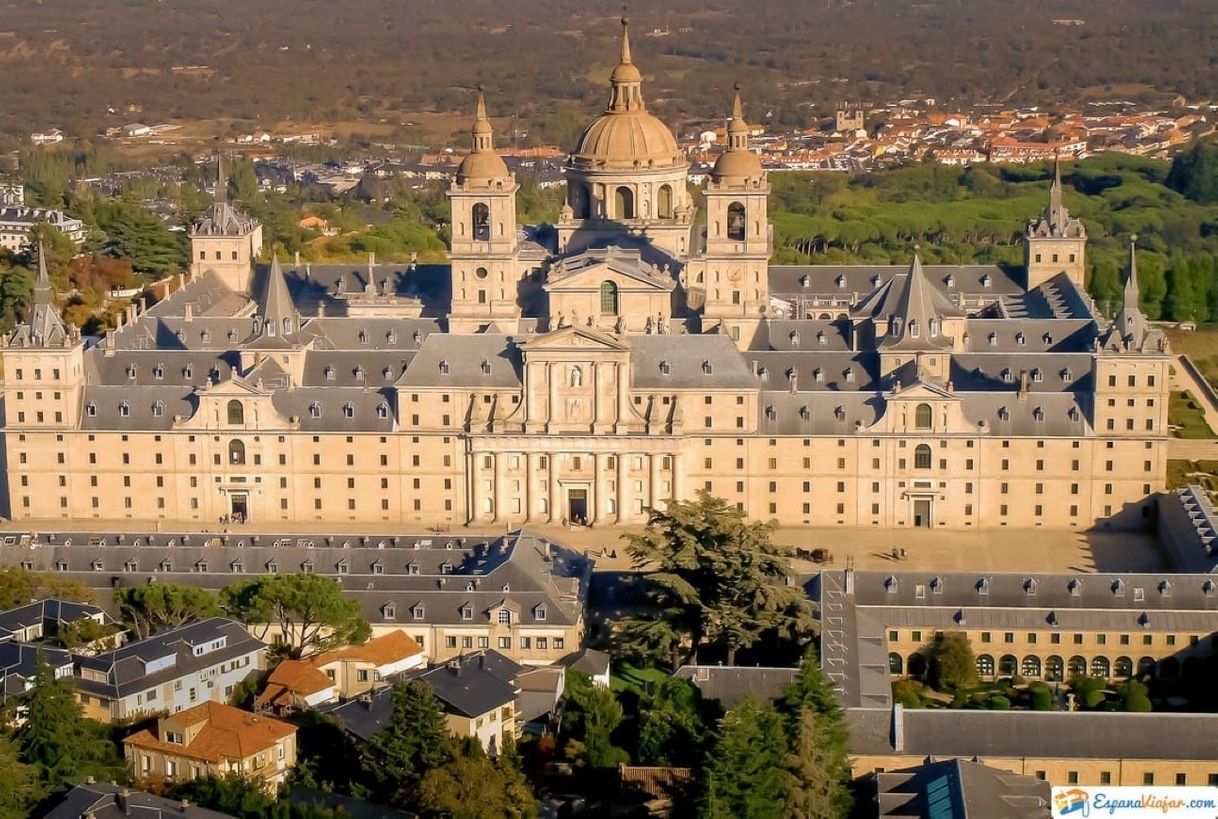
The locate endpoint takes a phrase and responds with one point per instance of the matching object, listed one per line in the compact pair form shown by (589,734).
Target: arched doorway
(985,666)
(1122,667)
(1100,667)
(917,665)
(896,664)
(735,222)
(1146,667)
(1054,668)
(1030,667)
(1076,667)
(1007,665)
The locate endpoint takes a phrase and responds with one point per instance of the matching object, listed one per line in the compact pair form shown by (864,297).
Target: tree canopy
(744,772)
(717,579)
(414,741)
(308,611)
(156,606)
(19,586)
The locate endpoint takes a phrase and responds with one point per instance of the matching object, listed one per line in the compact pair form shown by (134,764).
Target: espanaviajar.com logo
(1135,803)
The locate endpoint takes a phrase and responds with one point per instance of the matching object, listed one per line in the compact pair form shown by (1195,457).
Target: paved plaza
(996,550)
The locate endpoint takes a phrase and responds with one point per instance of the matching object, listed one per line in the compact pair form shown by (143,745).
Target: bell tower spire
(626,81)
(483,133)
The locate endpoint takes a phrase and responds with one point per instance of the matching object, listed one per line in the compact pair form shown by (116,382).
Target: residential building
(12,194)
(478,693)
(43,619)
(19,667)
(106,801)
(297,685)
(592,371)
(18,222)
(519,593)
(213,739)
(170,671)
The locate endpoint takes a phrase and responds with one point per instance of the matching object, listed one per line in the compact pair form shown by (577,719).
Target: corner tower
(224,241)
(1056,242)
(626,177)
(485,275)
(736,274)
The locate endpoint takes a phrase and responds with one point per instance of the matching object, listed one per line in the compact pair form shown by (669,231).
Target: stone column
(471,487)
(678,477)
(622,512)
(530,466)
(653,490)
(500,489)
(600,494)
(555,502)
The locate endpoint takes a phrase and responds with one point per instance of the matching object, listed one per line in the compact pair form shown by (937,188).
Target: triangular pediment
(587,271)
(236,387)
(572,338)
(923,390)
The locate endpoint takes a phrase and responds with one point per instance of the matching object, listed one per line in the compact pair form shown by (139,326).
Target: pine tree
(592,715)
(813,789)
(811,697)
(671,730)
(414,741)
(19,785)
(744,773)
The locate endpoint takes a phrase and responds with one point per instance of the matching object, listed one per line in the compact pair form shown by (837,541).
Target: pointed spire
(43,293)
(1055,193)
(221,180)
(278,310)
(916,322)
(626,80)
(737,129)
(483,133)
(1131,294)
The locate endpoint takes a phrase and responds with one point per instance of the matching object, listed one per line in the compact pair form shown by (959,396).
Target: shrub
(908,692)
(1135,698)
(952,665)
(999,703)
(1042,697)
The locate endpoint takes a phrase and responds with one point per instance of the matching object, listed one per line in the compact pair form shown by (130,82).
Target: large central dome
(626,136)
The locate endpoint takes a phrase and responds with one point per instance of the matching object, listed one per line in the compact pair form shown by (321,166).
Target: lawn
(1183,473)
(1185,415)
(1201,345)
(629,677)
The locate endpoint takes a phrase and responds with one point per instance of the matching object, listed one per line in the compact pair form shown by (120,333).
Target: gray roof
(840,280)
(485,360)
(105,801)
(732,684)
(677,362)
(959,789)
(51,611)
(19,665)
(473,684)
(393,577)
(126,667)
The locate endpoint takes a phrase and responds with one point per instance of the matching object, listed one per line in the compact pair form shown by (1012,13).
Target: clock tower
(736,274)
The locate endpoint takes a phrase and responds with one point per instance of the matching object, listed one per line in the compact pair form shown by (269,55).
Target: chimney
(189,311)
(1023,383)
(184,805)
(298,258)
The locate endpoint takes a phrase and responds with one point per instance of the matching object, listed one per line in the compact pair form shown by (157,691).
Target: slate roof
(391,576)
(732,684)
(485,360)
(51,611)
(473,684)
(960,789)
(19,665)
(124,667)
(105,801)
(843,280)
(702,362)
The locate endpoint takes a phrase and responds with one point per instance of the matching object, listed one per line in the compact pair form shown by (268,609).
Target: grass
(1185,415)
(1201,345)
(1182,473)
(629,677)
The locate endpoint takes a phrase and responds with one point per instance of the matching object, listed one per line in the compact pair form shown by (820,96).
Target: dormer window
(61,565)
(1165,588)
(665,368)
(1029,586)
(821,338)
(1019,339)
(1073,413)
(188,372)
(232,336)
(1075,587)
(363,336)
(412,568)
(378,567)
(330,373)
(986,281)
(272,567)
(91,409)
(166,565)
(839,413)
(1047,338)
(97,565)
(307,567)
(158,409)
(236,567)
(804,281)
(417,336)
(342,567)
(131,566)
(387,373)
(504,617)
(890,584)
(205,336)
(804,413)
(707,367)
(1038,414)
(983,586)
(841,282)
(486,367)
(936,585)
(389,611)
(818,374)
(950,281)
(1006,375)
(876,280)
(764,373)
(158,372)
(417,612)
(770,413)
(539,613)
(391,337)
(382,411)
(131,371)
(993,339)
(793,336)
(913,329)
(1118,587)
(467,613)
(1037,375)
(849,374)
(934,327)
(358,372)
(1067,376)
(348,410)
(124,409)
(1004,414)
(444,368)
(315,410)
(201,566)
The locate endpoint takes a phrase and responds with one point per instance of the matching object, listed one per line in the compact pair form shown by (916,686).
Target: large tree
(744,773)
(308,610)
(717,578)
(952,664)
(473,787)
(19,586)
(156,606)
(592,715)
(58,739)
(815,719)
(414,740)
(671,726)
(19,784)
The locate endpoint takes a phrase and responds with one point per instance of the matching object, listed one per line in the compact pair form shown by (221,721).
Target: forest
(375,63)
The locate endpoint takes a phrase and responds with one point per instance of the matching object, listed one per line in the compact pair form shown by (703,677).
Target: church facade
(591,370)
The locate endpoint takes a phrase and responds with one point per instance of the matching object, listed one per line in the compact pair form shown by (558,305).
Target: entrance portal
(239,503)
(577,505)
(922,514)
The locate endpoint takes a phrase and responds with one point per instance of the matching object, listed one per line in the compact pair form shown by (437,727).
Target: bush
(952,665)
(1018,680)
(908,693)
(999,703)
(1135,698)
(1042,697)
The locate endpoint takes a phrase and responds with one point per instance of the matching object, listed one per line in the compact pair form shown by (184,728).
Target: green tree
(232,793)
(307,610)
(58,739)
(1088,691)
(414,741)
(671,729)
(16,295)
(814,715)
(19,586)
(1134,697)
(744,774)
(20,787)
(473,787)
(1194,173)
(592,715)
(133,233)
(718,578)
(59,248)
(951,664)
(156,606)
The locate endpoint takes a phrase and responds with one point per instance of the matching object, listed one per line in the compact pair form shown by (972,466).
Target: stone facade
(591,371)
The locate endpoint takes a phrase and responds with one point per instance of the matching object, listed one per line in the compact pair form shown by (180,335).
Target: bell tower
(225,241)
(485,274)
(736,274)
(1056,242)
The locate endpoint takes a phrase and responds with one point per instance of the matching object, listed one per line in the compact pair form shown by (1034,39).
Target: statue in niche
(648,327)
(577,377)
